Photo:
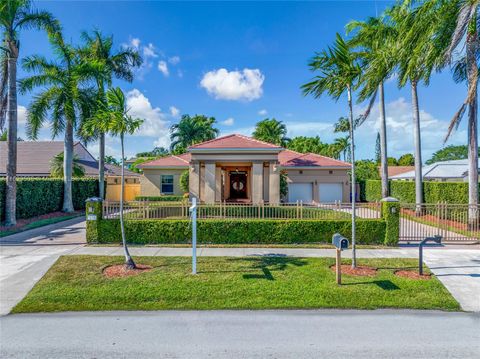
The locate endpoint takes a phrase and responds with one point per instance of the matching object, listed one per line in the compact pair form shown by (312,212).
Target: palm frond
(464,17)
(455,122)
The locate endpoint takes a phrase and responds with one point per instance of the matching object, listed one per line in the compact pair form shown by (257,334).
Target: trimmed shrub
(166,198)
(224,231)
(434,192)
(391,215)
(37,196)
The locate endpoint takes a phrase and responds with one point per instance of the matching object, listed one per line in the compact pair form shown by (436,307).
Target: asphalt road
(242,334)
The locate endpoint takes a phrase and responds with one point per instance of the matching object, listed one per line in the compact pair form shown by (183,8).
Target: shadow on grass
(269,264)
(383,284)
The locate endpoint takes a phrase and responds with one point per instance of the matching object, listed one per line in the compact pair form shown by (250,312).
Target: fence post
(94,214)
(301,209)
(391,215)
(297,215)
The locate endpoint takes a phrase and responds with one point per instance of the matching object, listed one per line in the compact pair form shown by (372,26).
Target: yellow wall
(150,181)
(132,190)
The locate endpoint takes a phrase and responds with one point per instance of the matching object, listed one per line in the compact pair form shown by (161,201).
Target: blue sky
(241,62)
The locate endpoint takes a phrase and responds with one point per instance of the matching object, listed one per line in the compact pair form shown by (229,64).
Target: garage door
(300,192)
(330,192)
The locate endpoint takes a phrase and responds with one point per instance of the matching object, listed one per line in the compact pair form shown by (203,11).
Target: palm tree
(62,100)
(466,27)
(339,73)
(271,131)
(15,16)
(375,41)
(119,64)
(192,130)
(342,146)
(56,167)
(113,118)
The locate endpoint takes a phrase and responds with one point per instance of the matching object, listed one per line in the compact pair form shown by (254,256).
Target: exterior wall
(150,182)
(321,176)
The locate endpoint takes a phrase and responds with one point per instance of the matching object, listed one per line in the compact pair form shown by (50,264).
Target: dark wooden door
(238,185)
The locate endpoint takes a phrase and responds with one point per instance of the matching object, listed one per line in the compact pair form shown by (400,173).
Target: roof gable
(234,141)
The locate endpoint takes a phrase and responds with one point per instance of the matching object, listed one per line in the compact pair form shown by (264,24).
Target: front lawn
(76,283)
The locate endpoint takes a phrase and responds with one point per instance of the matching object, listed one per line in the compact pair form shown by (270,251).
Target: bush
(224,231)
(434,192)
(184,182)
(166,198)
(37,196)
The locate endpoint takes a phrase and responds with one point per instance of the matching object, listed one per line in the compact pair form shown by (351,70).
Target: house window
(167,184)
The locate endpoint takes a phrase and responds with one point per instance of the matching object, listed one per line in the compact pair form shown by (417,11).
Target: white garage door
(330,192)
(300,192)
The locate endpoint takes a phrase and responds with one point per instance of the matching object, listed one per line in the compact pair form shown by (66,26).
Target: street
(242,334)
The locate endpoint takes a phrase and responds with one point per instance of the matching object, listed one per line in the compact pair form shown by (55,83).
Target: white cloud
(174,111)
(163,68)
(262,112)
(234,85)
(135,42)
(229,121)
(155,123)
(21,115)
(174,60)
(149,51)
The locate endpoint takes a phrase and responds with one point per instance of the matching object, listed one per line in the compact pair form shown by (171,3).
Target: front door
(238,185)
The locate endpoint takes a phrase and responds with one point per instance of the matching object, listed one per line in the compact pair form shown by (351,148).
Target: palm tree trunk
(101,166)
(383,142)
(418,150)
(68,167)
(353,180)
(11,188)
(472,74)
(129,263)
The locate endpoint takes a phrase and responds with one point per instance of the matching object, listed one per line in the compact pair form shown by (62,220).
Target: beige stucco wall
(150,181)
(321,176)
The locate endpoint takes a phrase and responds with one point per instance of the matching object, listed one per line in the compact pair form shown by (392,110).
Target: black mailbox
(339,241)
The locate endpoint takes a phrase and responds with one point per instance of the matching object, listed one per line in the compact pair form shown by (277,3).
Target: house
(396,170)
(444,171)
(34,157)
(238,168)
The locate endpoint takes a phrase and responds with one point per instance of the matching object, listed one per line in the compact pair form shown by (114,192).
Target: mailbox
(339,241)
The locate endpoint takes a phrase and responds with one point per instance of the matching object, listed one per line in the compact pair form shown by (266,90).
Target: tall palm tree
(339,73)
(375,41)
(63,100)
(192,130)
(118,64)
(56,167)
(15,16)
(113,118)
(342,146)
(467,26)
(271,131)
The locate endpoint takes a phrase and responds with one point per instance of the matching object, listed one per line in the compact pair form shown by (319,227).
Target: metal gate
(454,222)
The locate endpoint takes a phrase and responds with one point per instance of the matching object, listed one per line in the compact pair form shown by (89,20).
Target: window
(167,184)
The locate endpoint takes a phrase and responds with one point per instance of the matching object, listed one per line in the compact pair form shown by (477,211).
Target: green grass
(242,245)
(36,224)
(76,283)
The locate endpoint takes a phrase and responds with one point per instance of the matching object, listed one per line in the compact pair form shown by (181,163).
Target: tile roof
(33,159)
(396,170)
(288,158)
(234,141)
(445,169)
(181,161)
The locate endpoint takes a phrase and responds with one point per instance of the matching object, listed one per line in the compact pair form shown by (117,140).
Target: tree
(367,170)
(192,130)
(341,145)
(305,144)
(15,16)
(113,118)
(56,167)
(378,150)
(63,101)
(134,165)
(112,160)
(98,48)
(465,17)
(375,40)
(339,73)
(184,182)
(272,131)
(156,152)
(392,161)
(406,160)
(449,153)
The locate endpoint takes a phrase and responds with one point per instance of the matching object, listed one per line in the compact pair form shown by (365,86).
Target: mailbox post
(340,243)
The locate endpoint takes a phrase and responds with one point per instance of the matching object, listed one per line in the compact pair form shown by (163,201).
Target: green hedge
(37,196)
(404,191)
(251,231)
(165,198)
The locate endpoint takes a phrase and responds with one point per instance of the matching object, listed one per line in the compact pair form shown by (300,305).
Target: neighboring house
(241,169)
(33,160)
(445,171)
(396,170)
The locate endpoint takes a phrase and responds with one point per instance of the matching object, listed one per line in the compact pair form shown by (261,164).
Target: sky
(241,63)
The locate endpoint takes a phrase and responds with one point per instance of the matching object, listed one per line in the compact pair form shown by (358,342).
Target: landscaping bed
(77,283)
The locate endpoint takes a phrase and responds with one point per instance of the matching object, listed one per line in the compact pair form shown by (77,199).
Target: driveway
(25,257)
(242,334)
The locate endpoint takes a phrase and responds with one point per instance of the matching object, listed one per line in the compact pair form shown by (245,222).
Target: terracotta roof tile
(234,141)
(170,161)
(289,158)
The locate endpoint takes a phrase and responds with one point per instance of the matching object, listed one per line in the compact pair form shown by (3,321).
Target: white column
(210,182)
(194,180)
(218,184)
(274,185)
(257,182)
